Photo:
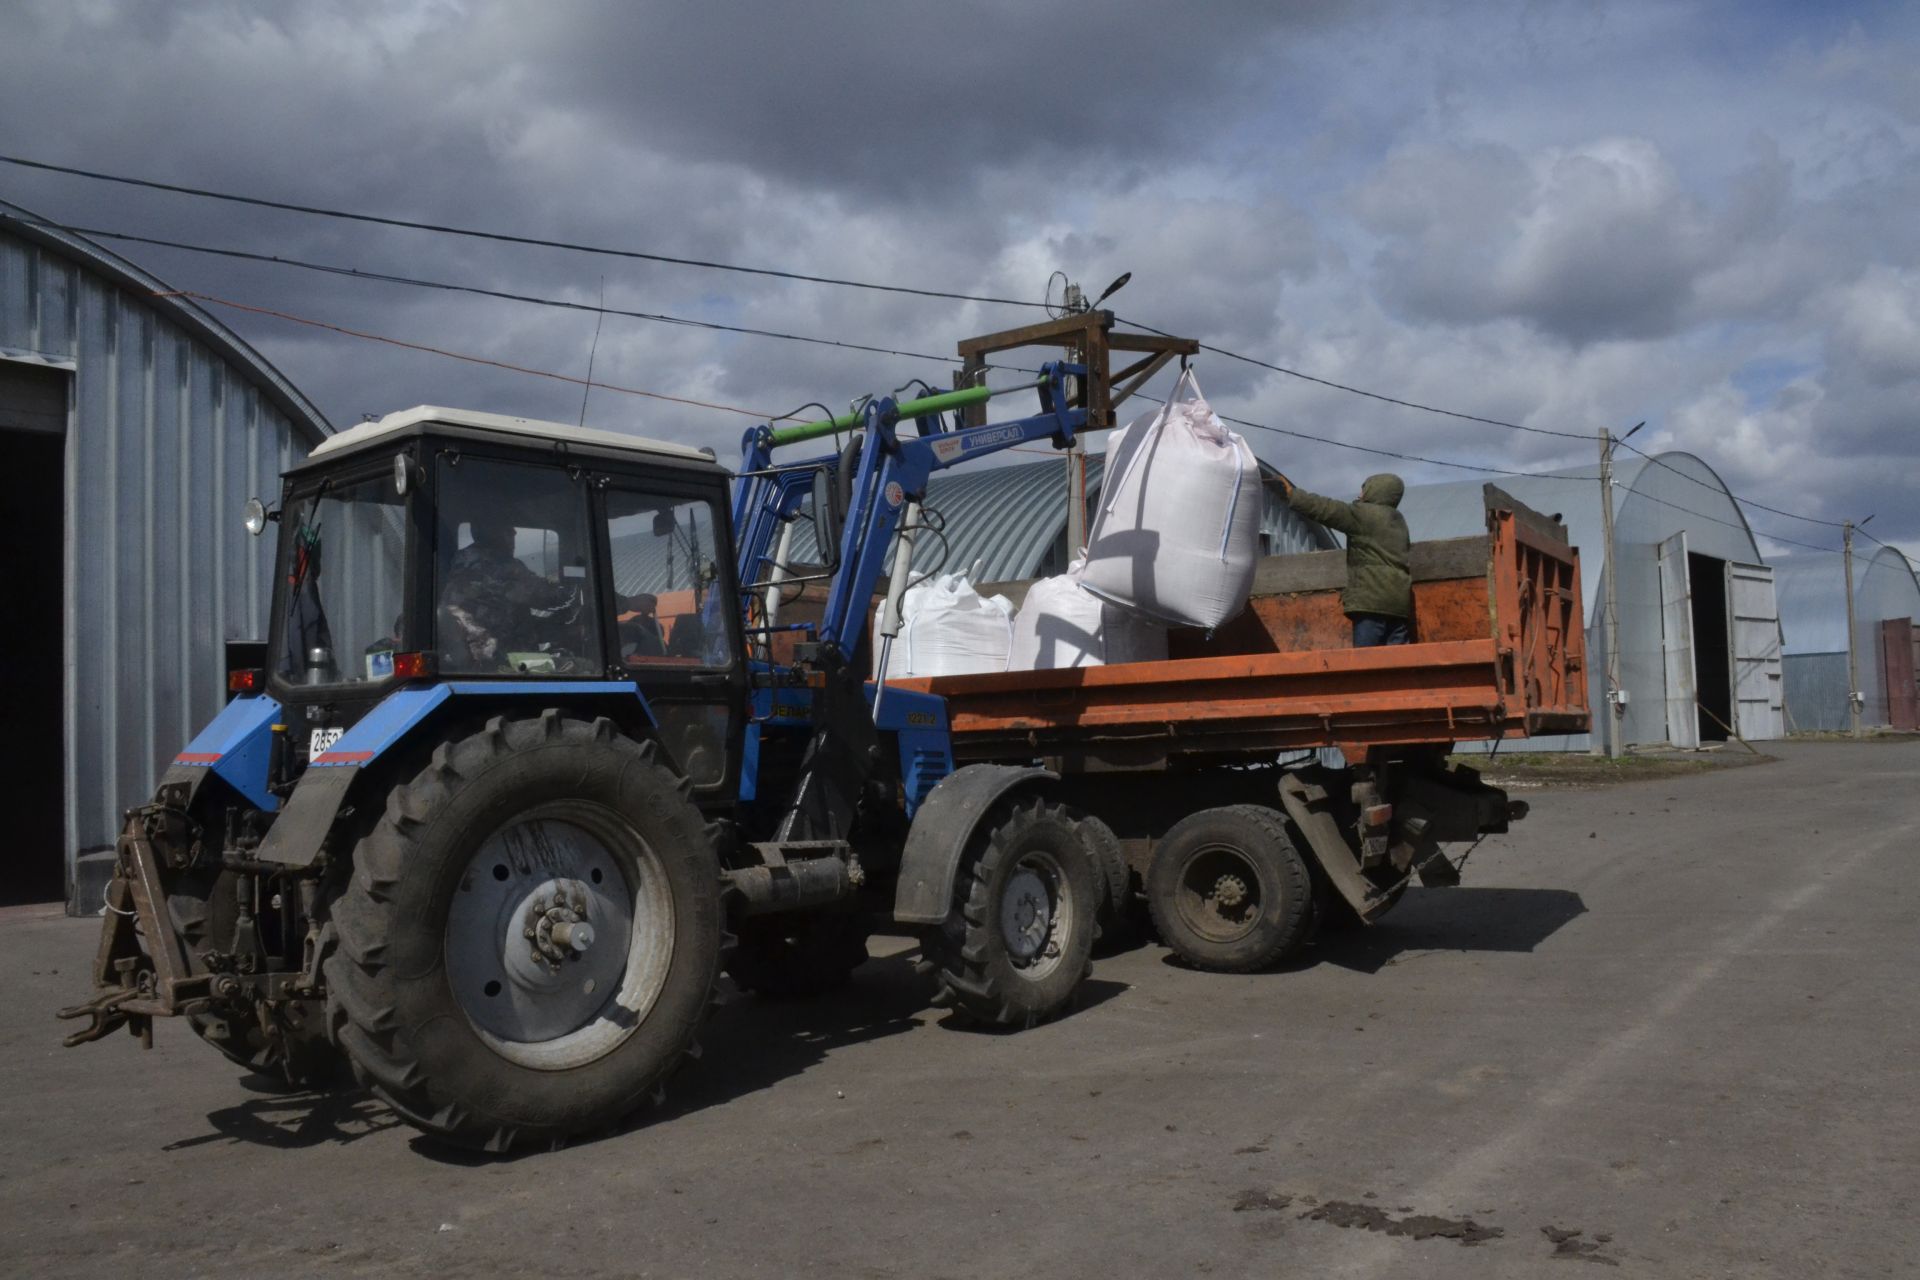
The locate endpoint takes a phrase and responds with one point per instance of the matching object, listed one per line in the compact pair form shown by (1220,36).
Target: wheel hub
(1026,914)
(1229,891)
(557,928)
(540,932)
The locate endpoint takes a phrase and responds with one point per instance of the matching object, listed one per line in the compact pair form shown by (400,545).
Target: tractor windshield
(343,573)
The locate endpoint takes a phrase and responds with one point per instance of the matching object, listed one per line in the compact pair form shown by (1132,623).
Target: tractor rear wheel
(1228,891)
(1020,936)
(531,936)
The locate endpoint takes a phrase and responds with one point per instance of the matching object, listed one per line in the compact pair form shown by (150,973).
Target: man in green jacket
(1379,594)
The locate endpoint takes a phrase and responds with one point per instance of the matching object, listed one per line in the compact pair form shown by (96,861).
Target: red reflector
(412,666)
(1378,815)
(249,680)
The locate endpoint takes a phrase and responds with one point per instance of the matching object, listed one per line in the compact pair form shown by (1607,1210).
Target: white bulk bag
(1177,533)
(948,629)
(1062,625)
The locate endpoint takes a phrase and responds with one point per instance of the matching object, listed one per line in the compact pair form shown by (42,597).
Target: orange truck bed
(1500,654)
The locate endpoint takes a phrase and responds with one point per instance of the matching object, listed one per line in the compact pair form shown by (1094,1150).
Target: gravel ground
(1666,1027)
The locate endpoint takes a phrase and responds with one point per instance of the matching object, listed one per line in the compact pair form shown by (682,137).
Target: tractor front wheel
(1020,937)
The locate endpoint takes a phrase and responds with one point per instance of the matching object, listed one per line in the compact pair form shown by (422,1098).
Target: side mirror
(826,517)
(256,516)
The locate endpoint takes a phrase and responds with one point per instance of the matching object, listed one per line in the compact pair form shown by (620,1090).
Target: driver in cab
(498,606)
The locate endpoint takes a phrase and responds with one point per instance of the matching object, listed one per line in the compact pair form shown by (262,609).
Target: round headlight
(256,516)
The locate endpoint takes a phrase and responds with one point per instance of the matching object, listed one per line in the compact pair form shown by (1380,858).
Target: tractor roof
(529,429)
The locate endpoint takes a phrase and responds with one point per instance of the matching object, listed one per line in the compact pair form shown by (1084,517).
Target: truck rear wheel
(1228,891)
(531,936)
(1020,937)
(1115,916)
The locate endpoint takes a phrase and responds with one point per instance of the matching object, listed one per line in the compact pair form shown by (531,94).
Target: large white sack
(1062,625)
(948,629)
(1177,533)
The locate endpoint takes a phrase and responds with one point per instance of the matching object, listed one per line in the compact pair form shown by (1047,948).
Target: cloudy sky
(1705,216)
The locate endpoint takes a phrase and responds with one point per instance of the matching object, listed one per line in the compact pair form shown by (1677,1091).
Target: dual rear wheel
(1229,891)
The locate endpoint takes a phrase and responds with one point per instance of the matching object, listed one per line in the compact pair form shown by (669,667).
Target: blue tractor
(523,776)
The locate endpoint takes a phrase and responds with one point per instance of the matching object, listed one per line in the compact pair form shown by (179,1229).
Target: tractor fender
(296,836)
(942,826)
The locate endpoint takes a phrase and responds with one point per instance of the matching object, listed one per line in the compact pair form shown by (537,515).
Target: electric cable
(503,237)
(381,277)
(455,355)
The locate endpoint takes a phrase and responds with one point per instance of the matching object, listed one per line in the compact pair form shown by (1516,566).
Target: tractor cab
(493,553)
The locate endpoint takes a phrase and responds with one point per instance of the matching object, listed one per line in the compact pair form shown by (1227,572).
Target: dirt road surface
(1667,1027)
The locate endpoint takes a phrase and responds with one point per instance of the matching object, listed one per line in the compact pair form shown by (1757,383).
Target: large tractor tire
(1228,891)
(531,936)
(1020,936)
(798,954)
(204,911)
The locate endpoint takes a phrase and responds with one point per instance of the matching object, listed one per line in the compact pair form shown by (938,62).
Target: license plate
(322,740)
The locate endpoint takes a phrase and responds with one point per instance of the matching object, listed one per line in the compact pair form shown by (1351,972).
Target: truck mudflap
(1453,805)
(941,829)
(1310,806)
(134,984)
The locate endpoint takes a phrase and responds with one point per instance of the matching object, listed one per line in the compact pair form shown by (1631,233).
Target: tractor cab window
(512,594)
(667,605)
(345,568)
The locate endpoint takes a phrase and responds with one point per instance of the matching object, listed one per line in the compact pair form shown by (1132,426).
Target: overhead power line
(382,277)
(508,238)
(503,237)
(753,413)
(1362,391)
(457,355)
(774,273)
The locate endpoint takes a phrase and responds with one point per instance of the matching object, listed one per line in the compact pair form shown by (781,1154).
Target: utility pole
(1854,696)
(1615,709)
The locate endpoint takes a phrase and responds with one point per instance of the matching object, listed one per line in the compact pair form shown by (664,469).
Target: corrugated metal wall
(167,435)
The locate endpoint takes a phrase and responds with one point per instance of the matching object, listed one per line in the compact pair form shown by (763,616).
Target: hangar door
(1676,642)
(1899,658)
(1754,630)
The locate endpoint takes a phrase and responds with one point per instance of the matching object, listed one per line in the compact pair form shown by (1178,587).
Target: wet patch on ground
(1569,1245)
(1415,1226)
(1272,1201)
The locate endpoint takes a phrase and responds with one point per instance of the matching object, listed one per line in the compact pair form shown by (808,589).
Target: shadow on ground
(750,1044)
(1427,921)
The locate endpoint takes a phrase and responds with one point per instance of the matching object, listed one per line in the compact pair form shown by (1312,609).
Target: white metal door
(1676,642)
(1754,630)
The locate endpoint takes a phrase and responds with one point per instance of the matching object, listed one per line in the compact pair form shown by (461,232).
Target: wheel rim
(559,937)
(1219,894)
(1036,914)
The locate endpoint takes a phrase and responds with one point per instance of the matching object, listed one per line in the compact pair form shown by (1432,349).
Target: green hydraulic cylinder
(906,408)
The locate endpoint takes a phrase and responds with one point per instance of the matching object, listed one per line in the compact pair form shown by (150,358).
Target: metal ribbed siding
(1013,520)
(172,424)
(1813,621)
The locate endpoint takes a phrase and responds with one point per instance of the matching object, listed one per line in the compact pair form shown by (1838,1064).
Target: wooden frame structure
(1088,337)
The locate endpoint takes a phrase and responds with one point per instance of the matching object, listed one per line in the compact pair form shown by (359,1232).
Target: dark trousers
(1374,629)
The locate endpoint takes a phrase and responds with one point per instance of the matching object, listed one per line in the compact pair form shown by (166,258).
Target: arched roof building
(135,425)
(1813,624)
(1694,598)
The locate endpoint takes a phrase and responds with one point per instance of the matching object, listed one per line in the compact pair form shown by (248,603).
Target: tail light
(413,666)
(246,680)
